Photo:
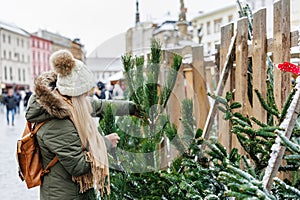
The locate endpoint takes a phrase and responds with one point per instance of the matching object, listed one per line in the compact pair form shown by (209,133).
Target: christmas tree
(198,173)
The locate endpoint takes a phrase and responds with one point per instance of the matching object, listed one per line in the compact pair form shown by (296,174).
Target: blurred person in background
(28,93)
(102,92)
(10,101)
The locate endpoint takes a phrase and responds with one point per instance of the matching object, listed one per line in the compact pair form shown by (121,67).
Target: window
(34,70)
(9,40)
(4,54)
(33,43)
(11,73)
(17,56)
(3,38)
(200,33)
(33,55)
(19,74)
(208,48)
(217,25)
(5,72)
(9,55)
(23,58)
(208,28)
(22,43)
(18,41)
(24,75)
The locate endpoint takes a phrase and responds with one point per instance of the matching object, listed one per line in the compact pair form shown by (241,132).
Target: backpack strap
(54,160)
(51,164)
(37,127)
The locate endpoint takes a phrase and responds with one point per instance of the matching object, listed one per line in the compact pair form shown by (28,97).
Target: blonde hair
(93,142)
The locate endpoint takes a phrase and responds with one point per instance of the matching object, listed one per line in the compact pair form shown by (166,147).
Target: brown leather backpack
(29,157)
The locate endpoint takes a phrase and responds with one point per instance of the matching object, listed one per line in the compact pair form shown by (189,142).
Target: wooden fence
(230,68)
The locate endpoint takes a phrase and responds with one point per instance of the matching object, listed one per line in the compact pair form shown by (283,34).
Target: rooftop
(13,28)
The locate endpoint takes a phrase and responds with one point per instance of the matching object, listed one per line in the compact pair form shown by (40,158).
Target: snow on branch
(277,150)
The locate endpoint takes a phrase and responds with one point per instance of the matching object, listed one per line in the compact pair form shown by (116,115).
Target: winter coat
(58,136)
(10,102)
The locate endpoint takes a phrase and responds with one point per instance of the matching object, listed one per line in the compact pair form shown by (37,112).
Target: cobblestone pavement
(11,186)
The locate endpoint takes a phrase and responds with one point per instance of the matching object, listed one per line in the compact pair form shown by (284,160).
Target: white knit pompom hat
(74,78)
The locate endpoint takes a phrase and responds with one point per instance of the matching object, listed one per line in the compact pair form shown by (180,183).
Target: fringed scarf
(96,153)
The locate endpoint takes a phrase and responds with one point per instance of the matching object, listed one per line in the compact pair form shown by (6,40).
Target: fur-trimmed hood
(46,102)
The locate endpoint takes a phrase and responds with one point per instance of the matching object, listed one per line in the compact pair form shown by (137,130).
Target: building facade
(15,57)
(207,26)
(77,49)
(41,50)
(23,56)
(62,42)
(138,38)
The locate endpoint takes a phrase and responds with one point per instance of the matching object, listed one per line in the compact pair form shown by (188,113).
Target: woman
(70,132)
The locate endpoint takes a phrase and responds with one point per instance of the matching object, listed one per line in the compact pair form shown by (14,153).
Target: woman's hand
(113,138)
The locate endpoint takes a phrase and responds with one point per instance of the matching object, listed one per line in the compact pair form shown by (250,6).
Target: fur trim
(62,62)
(48,96)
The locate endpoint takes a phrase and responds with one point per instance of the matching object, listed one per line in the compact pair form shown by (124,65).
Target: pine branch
(289,144)
(265,105)
(259,123)
(107,124)
(287,104)
(248,166)
(171,79)
(287,187)
(277,150)
(128,64)
(139,78)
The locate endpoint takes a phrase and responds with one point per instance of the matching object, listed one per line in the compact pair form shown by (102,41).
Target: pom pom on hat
(62,62)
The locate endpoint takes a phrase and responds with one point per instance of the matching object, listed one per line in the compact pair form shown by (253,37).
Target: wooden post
(281,50)
(281,53)
(174,108)
(225,134)
(209,79)
(259,53)
(241,82)
(188,74)
(220,88)
(201,104)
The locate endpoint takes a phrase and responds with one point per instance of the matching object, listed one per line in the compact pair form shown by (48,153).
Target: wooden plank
(175,106)
(241,82)
(209,79)
(224,127)
(294,43)
(188,74)
(223,78)
(281,50)
(201,103)
(259,53)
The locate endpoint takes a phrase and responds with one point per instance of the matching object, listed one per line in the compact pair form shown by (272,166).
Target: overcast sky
(93,21)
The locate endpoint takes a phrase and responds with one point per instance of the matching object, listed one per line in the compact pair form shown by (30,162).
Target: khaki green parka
(58,136)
